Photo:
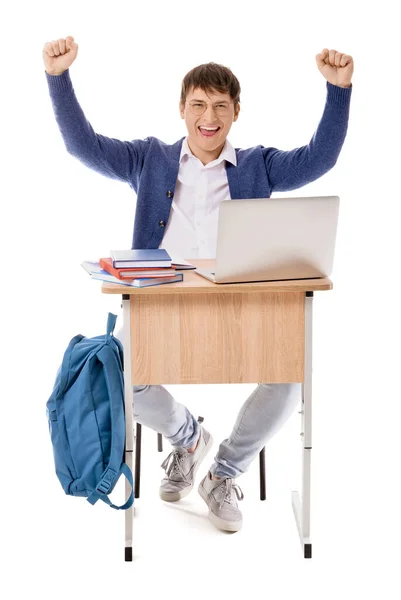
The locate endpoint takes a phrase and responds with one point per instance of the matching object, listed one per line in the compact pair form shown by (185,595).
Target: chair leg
(138,459)
(159,442)
(262,470)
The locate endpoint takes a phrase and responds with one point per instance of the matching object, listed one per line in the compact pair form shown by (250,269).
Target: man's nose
(210,113)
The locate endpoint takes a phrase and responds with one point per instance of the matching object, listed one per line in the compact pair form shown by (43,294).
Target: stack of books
(138,268)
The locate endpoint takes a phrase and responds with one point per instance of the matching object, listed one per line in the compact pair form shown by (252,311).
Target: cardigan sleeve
(110,157)
(288,170)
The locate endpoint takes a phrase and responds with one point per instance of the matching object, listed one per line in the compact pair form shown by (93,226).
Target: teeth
(210,128)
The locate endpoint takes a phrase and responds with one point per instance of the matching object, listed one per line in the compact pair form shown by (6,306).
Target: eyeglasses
(198,107)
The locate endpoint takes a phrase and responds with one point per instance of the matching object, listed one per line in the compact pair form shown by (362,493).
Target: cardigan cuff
(59,83)
(338,95)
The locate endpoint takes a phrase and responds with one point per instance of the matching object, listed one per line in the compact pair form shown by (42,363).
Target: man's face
(207,144)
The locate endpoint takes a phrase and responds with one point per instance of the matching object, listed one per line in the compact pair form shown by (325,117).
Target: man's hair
(211,77)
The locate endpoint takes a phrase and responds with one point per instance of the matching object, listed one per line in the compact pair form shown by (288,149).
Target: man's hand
(59,55)
(336,67)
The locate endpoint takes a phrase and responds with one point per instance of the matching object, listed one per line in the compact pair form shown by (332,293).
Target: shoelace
(228,487)
(173,464)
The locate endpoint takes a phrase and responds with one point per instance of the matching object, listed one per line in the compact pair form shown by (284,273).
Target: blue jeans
(263,413)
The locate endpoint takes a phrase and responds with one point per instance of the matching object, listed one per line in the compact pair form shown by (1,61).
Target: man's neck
(203,155)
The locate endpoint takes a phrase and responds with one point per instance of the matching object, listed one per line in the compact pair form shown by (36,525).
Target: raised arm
(288,170)
(112,158)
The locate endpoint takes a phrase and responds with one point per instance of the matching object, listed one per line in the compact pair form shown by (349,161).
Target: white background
(57,213)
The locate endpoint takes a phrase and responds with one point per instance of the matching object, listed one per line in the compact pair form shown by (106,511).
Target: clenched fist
(336,67)
(59,55)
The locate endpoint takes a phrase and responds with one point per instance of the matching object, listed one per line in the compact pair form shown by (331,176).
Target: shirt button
(169,194)
(162,223)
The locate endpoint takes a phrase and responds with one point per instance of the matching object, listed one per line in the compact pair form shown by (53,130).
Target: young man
(180,187)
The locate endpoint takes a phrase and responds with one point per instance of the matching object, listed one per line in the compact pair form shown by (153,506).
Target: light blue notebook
(96,272)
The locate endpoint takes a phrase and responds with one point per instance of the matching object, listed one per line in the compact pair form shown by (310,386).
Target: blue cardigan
(150,167)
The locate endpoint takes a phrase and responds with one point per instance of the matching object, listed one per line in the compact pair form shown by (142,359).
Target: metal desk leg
(129,434)
(300,506)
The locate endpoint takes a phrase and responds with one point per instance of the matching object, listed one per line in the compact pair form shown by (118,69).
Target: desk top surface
(195,283)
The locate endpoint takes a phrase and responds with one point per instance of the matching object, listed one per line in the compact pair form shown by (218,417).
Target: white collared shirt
(191,231)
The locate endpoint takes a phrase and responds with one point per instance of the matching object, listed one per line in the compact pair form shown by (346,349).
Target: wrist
(55,73)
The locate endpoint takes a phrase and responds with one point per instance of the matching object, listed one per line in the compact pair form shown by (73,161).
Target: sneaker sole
(175,496)
(221,524)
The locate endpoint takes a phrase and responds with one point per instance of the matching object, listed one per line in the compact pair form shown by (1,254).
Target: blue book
(145,282)
(154,257)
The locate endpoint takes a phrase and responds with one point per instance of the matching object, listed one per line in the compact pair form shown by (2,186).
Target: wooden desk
(197,331)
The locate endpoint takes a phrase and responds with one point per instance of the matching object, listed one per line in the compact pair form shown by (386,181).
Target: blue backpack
(87,420)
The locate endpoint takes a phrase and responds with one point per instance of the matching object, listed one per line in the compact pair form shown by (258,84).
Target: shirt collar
(228,152)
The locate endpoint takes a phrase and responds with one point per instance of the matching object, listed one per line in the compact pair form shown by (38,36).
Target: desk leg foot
(298,507)
(128,554)
(129,514)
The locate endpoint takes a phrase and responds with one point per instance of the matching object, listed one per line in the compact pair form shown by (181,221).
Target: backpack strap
(113,341)
(111,323)
(115,384)
(97,494)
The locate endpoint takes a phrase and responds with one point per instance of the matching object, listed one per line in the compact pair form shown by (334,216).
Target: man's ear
(181,108)
(237,109)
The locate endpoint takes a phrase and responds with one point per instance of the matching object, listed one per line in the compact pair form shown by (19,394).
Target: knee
(285,390)
(139,404)
(139,388)
(282,386)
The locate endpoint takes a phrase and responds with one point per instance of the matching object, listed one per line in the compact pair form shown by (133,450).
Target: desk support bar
(301,505)
(129,435)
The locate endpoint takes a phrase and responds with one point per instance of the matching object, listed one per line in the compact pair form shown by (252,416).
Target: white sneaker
(181,467)
(221,498)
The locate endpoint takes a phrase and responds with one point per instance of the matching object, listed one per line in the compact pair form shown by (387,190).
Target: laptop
(273,239)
